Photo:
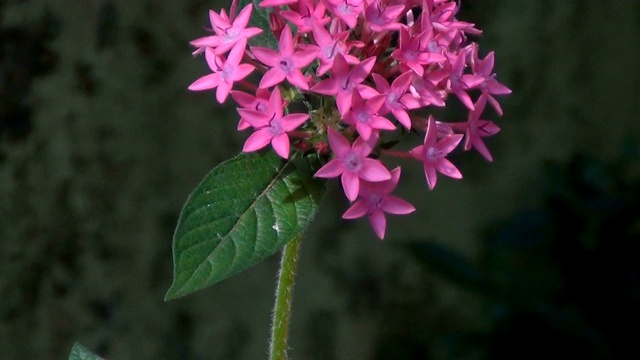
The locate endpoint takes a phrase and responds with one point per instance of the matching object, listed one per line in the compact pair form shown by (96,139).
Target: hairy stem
(284,297)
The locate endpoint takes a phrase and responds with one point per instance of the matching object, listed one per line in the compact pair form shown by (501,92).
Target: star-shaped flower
(307,14)
(271,128)
(351,162)
(225,72)
(432,153)
(413,51)
(490,86)
(228,34)
(397,100)
(343,81)
(476,129)
(259,103)
(375,200)
(287,63)
(364,115)
(330,46)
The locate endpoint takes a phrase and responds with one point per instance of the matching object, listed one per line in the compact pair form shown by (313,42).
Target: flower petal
(257,140)
(339,144)
(446,167)
(265,55)
(373,170)
(331,169)
(358,209)
(206,82)
(273,76)
(395,205)
(280,144)
(378,223)
(351,185)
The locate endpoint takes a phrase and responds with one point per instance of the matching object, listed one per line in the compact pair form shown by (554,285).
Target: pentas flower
(433,154)
(225,72)
(460,83)
(287,63)
(490,86)
(306,14)
(378,62)
(259,103)
(375,200)
(276,3)
(396,99)
(330,46)
(413,53)
(364,115)
(352,164)
(346,10)
(345,80)
(271,128)
(382,16)
(476,129)
(228,34)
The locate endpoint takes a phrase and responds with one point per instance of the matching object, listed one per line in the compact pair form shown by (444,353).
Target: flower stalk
(284,299)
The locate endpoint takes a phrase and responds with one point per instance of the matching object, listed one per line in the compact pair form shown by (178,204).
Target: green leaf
(260,18)
(243,211)
(79,352)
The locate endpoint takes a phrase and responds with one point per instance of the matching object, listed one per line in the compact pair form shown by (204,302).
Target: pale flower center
(227,73)
(433,154)
(286,64)
(275,127)
(352,162)
(230,35)
(375,202)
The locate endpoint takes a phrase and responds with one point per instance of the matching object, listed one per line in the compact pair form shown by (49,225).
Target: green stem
(284,297)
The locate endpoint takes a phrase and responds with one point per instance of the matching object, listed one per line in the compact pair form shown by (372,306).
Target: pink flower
(307,14)
(275,3)
(433,153)
(364,115)
(225,72)
(346,10)
(490,86)
(382,17)
(343,81)
(271,128)
(287,64)
(397,100)
(330,46)
(460,83)
(412,52)
(476,129)
(259,103)
(352,164)
(228,34)
(375,200)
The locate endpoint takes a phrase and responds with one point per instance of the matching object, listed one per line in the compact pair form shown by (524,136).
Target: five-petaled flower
(287,64)
(433,154)
(228,34)
(352,164)
(271,127)
(375,200)
(225,72)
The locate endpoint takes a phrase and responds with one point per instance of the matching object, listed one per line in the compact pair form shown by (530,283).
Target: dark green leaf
(79,352)
(260,18)
(243,211)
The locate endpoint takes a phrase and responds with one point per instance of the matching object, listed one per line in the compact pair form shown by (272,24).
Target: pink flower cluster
(358,69)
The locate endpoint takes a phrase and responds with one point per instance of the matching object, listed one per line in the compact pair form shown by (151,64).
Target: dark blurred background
(530,256)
